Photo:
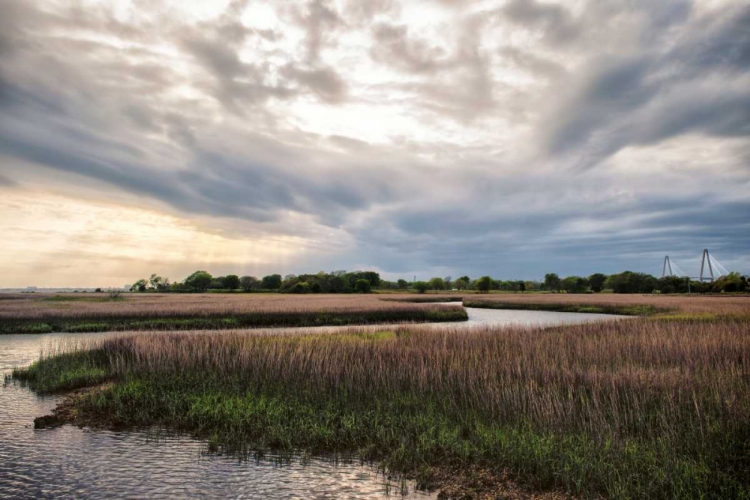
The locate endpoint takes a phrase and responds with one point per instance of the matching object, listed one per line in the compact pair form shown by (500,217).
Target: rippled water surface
(69,462)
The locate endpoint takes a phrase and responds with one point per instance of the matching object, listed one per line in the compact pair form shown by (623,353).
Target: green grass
(625,310)
(64,372)
(73,298)
(251,320)
(421,299)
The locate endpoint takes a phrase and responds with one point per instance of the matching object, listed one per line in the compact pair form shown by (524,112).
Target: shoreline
(450,482)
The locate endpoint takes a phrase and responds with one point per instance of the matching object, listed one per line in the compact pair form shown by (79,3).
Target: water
(509,317)
(68,462)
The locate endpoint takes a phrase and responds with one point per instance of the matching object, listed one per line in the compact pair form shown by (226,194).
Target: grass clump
(637,409)
(65,371)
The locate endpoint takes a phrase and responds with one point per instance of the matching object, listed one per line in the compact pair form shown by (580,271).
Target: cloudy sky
(415,138)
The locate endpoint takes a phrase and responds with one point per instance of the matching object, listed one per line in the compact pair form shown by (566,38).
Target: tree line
(367,281)
(202,281)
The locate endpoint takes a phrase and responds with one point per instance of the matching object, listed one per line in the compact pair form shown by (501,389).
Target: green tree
(155,281)
(139,286)
(300,287)
(402,284)
(732,282)
(437,284)
(483,284)
(552,282)
(575,284)
(596,281)
(232,282)
(630,282)
(522,286)
(271,282)
(420,286)
(248,283)
(199,281)
(362,286)
(462,283)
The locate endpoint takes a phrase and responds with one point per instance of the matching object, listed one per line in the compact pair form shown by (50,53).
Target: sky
(419,138)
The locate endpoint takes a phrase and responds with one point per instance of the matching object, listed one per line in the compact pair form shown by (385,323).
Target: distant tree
(672,284)
(199,281)
(437,284)
(732,282)
(271,282)
(316,288)
(300,287)
(462,283)
(402,284)
(337,283)
(156,281)
(231,281)
(98,290)
(362,286)
(139,286)
(372,277)
(575,284)
(596,282)
(448,282)
(483,284)
(248,283)
(552,282)
(420,286)
(217,283)
(522,286)
(630,282)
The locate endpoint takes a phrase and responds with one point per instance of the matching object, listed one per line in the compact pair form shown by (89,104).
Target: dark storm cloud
(642,99)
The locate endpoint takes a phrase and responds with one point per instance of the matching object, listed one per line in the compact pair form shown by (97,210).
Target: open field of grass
(94,313)
(644,408)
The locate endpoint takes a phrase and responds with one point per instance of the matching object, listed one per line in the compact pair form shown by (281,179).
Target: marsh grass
(621,309)
(636,409)
(169,315)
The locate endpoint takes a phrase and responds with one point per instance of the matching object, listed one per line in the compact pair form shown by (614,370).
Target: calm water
(69,462)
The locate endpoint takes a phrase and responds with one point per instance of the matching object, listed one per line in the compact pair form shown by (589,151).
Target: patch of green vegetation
(425,300)
(84,298)
(65,372)
(28,328)
(624,310)
(87,327)
(408,432)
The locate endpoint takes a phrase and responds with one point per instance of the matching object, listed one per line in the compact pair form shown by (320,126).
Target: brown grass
(716,304)
(153,305)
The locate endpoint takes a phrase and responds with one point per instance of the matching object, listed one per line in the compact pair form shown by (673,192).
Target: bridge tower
(706,259)
(667,266)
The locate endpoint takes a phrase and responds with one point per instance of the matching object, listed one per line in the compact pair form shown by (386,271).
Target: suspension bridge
(711,269)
